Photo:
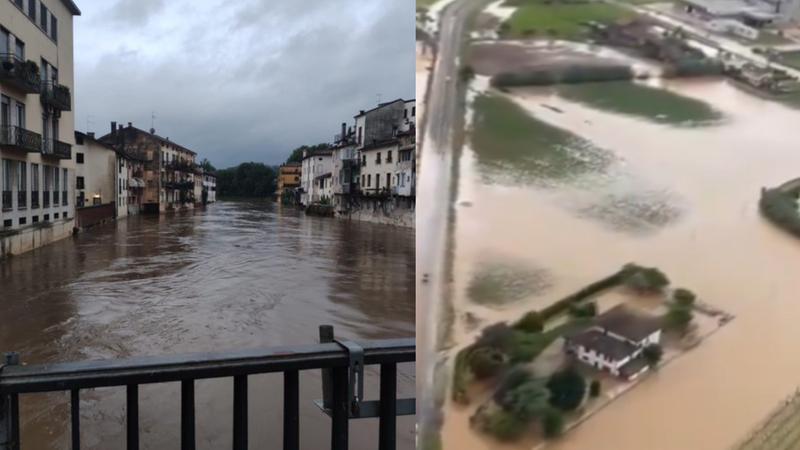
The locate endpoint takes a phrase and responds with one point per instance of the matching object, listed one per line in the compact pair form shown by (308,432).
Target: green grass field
(653,104)
(561,20)
(791,59)
(513,147)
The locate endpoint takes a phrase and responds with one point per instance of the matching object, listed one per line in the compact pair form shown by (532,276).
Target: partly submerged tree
(653,354)
(567,389)
(528,400)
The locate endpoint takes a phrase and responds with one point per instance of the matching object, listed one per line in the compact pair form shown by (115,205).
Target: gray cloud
(240,81)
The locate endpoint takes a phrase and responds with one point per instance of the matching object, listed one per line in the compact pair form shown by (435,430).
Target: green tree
(531,322)
(684,297)
(247,180)
(486,362)
(646,279)
(679,317)
(504,425)
(528,400)
(297,154)
(552,423)
(206,165)
(594,388)
(653,354)
(567,389)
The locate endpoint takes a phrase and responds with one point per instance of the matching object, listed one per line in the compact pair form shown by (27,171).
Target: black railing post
(387,431)
(132,395)
(240,412)
(75,416)
(325,337)
(9,411)
(340,409)
(291,405)
(187,415)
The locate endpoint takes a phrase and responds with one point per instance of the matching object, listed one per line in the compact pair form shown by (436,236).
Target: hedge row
(567,75)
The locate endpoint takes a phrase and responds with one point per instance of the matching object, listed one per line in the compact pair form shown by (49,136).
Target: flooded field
(238,275)
(599,179)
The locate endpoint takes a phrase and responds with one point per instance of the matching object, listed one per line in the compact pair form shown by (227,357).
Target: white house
(316,164)
(210,187)
(405,168)
(615,342)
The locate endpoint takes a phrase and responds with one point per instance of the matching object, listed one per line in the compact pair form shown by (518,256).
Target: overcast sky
(244,80)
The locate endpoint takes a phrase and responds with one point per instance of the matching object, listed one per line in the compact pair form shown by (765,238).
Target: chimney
(344,132)
(113,128)
(120,127)
(90,134)
(130,124)
(152,131)
(361,112)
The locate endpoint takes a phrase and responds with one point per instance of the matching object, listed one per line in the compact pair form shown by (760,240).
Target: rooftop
(603,344)
(623,321)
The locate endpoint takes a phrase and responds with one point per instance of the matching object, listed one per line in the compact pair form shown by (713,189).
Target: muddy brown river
(237,275)
(678,197)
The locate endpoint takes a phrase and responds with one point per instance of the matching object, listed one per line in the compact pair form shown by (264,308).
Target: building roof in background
(593,339)
(380,105)
(623,321)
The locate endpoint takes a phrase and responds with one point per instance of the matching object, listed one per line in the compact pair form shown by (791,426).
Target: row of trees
(252,179)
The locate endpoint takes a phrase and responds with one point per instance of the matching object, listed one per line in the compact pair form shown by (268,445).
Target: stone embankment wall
(34,236)
(398,212)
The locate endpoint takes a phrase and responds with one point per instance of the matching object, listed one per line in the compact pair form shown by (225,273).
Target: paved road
(435,189)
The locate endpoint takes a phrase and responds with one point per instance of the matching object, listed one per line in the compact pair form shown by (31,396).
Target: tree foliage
(206,165)
(679,317)
(528,400)
(297,154)
(645,278)
(504,425)
(567,389)
(552,423)
(653,354)
(684,297)
(531,322)
(246,180)
(594,388)
(486,362)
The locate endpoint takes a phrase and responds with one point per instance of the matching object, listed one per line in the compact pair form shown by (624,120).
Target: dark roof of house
(72,7)
(318,152)
(603,344)
(623,321)
(161,140)
(380,144)
(81,137)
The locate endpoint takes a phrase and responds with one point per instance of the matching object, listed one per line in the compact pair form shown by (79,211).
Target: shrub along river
(567,184)
(237,275)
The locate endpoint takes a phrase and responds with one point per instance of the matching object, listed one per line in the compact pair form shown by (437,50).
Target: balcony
(19,138)
(22,199)
(56,96)
(57,149)
(7,201)
(181,166)
(179,185)
(35,199)
(46,199)
(19,74)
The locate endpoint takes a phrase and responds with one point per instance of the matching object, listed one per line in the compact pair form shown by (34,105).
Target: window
(388,180)
(5,41)
(53,28)
(7,184)
(79,158)
(35,186)
(369,180)
(55,186)
(389,156)
(20,115)
(32,10)
(35,219)
(19,48)
(359,134)
(22,185)
(23,220)
(5,111)
(79,183)
(378,158)
(8,223)
(65,188)
(413,111)
(43,16)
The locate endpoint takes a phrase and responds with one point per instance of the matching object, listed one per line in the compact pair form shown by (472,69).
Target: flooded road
(680,198)
(238,275)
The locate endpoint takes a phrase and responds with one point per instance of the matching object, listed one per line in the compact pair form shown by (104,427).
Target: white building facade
(315,176)
(36,123)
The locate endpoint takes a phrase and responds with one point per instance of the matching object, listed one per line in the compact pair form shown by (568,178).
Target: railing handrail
(20,379)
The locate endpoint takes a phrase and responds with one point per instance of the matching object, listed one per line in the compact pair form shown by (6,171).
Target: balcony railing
(6,200)
(56,95)
(22,199)
(64,198)
(179,185)
(34,199)
(58,149)
(19,74)
(181,166)
(342,365)
(55,198)
(46,199)
(20,138)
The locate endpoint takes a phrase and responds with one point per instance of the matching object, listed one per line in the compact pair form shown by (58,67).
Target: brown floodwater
(712,240)
(237,275)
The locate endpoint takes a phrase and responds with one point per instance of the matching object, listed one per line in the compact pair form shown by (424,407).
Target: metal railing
(341,362)
(20,74)
(46,199)
(58,149)
(64,198)
(22,199)
(56,95)
(34,199)
(14,136)
(55,198)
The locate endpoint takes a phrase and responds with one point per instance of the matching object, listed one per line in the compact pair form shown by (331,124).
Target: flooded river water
(673,194)
(237,275)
